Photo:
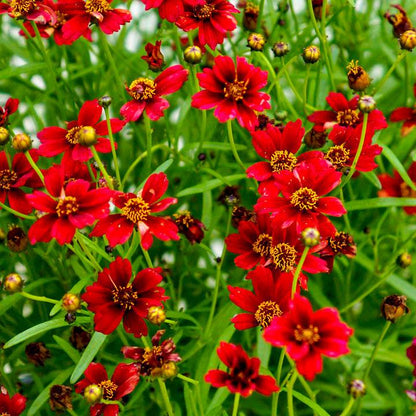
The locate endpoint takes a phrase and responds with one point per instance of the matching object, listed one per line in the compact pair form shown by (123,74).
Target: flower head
(11,406)
(9,108)
(154,57)
(34,10)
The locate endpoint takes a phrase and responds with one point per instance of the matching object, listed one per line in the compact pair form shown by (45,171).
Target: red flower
(345,114)
(243,376)
(406,114)
(308,335)
(85,13)
(154,57)
(12,179)
(396,187)
(113,298)
(270,298)
(303,202)
(123,382)
(11,406)
(233,90)
(252,242)
(136,212)
(55,140)
(212,18)
(67,206)
(168,9)
(339,243)
(9,108)
(34,10)
(147,94)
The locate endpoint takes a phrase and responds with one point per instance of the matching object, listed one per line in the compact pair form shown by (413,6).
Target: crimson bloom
(396,187)
(233,90)
(270,298)
(113,298)
(212,18)
(337,244)
(243,375)
(406,114)
(154,56)
(136,212)
(123,381)
(34,10)
(303,202)
(345,114)
(168,9)
(9,108)
(307,335)
(67,206)
(147,93)
(12,179)
(11,406)
(84,13)
(55,140)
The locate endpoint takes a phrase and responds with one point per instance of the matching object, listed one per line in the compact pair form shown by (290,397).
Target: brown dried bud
(408,40)
(79,338)
(17,240)
(400,21)
(60,398)
(37,353)
(358,79)
(250,16)
(315,139)
(21,142)
(156,315)
(404,260)
(256,41)
(393,307)
(311,54)
(12,283)
(229,196)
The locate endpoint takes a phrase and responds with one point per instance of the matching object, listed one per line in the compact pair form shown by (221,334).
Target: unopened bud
(87,136)
(315,139)
(408,40)
(404,260)
(366,104)
(393,307)
(71,302)
(311,54)
(93,393)
(70,317)
(4,136)
(12,283)
(310,237)
(256,41)
(280,49)
(156,315)
(21,142)
(193,54)
(105,101)
(17,239)
(356,388)
(358,79)
(169,370)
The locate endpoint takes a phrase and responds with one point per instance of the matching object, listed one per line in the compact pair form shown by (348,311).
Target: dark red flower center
(7,179)
(262,245)
(340,242)
(235,90)
(142,89)
(305,199)
(283,160)
(309,335)
(124,296)
(97,6)
(67,206)
(405,190)
(284,256)
(337,156)
(136,209)
(266,311)
(204,11)
(108,388)
(22,7)
(348,117)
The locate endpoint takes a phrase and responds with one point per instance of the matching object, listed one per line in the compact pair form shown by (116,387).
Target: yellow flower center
(203,12)
(67,206)
(22,7)
(309,335)
(136,209)
(7,178)
(235,90)
(283,160)
(340,241)
(142,89)
(73,134)
(266,311)
(262,245)
(337,156)
(124,296)
(97,6)
(108,388)
(305,199)
(347,118)
(284,256)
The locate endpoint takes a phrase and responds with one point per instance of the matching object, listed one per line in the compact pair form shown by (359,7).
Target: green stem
(260,16)
(187,379)
(400,57)
(232,144)
(35,167)
(148,128)
(298,270)
(39,298)
(87,251)
(113,147)
(17,213)
(305,88)
(146,256)
(275,398)
(102,168)
(236,403)
(165,397)
(349,406)
(290,408)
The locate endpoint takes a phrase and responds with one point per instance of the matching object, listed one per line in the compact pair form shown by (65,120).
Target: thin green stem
(17,213)
(87,252)
(275,398)
(146,256)
(113,146)
(232,144)
(399,58)
(148,128)
(349,407)
(305,88)
(102,168)
(298,270)
(165,397)
(35,167)
(236,403)
(39,298)
(290,384)
(187,379)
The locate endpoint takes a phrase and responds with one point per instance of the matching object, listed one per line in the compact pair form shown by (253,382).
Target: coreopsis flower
(270,298)
(337,244)
(20,174)
(83,14)
(123,382)
(400,21)
(345,114)
(396,187)
(233,90)
(66,207)
(113,298)
(252,243)
(11,406)
(154,57)
(152,361)
(243,372)
(168,9)
(406,114)
(190,227)
(56,140)
(303,202)
(308,335)
(147,93)
(136,213)
(9,108)
(33,10)
(346,142)
(212,18)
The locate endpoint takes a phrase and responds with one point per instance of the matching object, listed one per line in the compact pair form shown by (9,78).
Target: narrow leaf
(373,203)
(72,353)
(211,184)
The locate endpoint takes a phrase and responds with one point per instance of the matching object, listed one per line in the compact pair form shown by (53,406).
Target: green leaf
(264,349)
(314,406)
(392,158)
(373,203)
(215,146)
(161,168)
(182,315)
(218,399)
(372,178)
(401,285)
(90,352)
(211,184)
(72,353)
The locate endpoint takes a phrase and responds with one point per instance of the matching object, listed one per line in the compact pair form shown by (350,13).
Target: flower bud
(93,393)
(366,104)
(241,213)
(408,40)
(17,239)
(60,398)
(358,79)
(404,260)
(70,317)
(156,315)
(169,370)
(12,283)
(193,54)
(229,196)
(105,101)
(87,136)
(21,142)
(256,41)
(356,388)
(4,136)
(311,54)
(202,157)
(71,302)
(250,16)
(310,237)
(315,139)
(280,49)
(393,307)
(281,115)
